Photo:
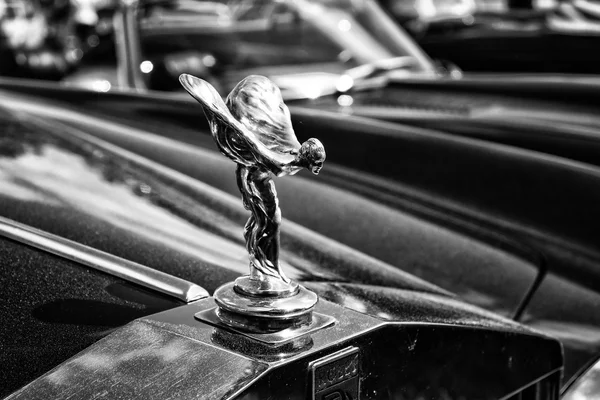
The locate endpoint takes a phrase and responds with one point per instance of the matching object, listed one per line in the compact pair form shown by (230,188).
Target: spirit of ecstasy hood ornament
(253,129)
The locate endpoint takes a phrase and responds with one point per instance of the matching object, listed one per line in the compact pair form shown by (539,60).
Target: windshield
(293,40)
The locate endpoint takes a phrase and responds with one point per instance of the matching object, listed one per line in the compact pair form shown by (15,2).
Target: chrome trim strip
(102,261)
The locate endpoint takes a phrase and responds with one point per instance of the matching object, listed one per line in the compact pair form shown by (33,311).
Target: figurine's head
(312,155)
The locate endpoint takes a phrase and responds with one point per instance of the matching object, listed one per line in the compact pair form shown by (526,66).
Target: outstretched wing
(230,137)
(233,139)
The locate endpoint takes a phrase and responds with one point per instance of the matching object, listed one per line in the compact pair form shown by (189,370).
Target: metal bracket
(319,321)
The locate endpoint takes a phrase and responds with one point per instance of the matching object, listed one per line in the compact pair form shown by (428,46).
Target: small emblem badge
(336,377)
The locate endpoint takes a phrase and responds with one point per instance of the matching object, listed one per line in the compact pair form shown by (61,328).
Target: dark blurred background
(94,42)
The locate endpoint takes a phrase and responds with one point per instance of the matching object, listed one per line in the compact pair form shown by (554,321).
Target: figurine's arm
(278,164)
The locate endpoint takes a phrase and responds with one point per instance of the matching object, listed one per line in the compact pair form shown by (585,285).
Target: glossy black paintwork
(53,308)
(550,114)
(488,193)
(397,360)
(90,193)
(420,246)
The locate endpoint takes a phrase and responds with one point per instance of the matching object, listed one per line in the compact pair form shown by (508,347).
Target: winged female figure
(253,128)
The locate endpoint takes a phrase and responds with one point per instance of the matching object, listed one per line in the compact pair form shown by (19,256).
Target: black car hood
(372,232)
(89,191)
(393,203)
(550,113)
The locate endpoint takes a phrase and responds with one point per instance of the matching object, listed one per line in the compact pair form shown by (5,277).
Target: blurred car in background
(512,37)
(420,16)
(49,39)
(156,40)
(304,46)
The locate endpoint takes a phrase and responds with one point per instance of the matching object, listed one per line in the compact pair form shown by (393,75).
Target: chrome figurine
(253,128)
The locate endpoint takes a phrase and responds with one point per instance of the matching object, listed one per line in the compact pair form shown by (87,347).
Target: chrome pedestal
(274,318)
